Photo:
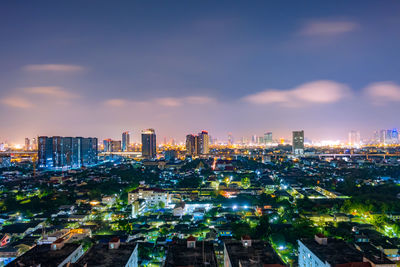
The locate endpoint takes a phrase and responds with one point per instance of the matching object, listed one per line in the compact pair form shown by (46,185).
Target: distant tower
(298,142)
(354,138)
(268,138)
(125,141)
(230,139)
(149,149)
(27,144)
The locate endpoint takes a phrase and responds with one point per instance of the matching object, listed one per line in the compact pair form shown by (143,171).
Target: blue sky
(98,68)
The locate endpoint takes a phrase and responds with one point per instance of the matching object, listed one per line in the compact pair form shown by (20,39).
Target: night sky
(98,68)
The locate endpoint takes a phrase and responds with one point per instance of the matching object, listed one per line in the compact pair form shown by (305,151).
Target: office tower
(107,145)
(149,144)
(230,139)
(382,136)
(260,140)
(66,152)
(125,141)
(27,144)
(190,144)
(298,142)
(268,138)
(203,143)
(354,138)
(395,136)
(254,139)
(376,139)
(34,144)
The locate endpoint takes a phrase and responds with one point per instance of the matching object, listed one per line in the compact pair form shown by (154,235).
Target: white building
(152,196)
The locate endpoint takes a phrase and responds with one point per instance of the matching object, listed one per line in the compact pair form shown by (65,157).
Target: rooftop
(100,255)
(45,257)
(334,252)
(259,253)
(180,255)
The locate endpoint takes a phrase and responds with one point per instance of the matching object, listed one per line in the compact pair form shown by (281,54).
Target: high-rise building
(27,144)
(125,141)
(34,144)
(230,139)
(298,142)
(190,144)
(203,143)
(59,153)
(149,150)
(354,138)
(110,145)
(268,138)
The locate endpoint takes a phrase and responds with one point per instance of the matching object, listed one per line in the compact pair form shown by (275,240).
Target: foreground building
(57,254)
(112,254)
(324,252)
(191,253)
(59,153)
(249,252)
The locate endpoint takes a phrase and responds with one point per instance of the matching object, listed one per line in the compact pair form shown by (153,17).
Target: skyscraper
(27,144)
(66,152)
(190,144)
(298,142)
(203,143)
(149,150)
(125,141)
(354,138)
(268,138)
(230,139)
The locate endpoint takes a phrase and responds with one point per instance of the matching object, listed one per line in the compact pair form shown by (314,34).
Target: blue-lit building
(59,153)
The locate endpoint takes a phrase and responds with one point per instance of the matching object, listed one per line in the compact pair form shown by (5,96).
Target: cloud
(316,92)
(328,28)
(169,101)
(54,91)
(383,92)
(53,67)
(163,101)
(17,102)
(116,102)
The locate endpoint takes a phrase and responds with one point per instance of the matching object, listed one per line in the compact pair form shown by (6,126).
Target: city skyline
(98,70)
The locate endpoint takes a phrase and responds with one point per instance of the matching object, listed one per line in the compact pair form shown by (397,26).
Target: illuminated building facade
(298,142)
(149,150)
(198,144)
(110,145)
(59,153)
(125,141)
(190,144)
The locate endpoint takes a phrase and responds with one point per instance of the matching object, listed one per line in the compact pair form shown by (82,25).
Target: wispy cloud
(116,102)
(328,27)
(17,102)
(383,92)
(163,101)
(54,91)
(317,92)
(53,67)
